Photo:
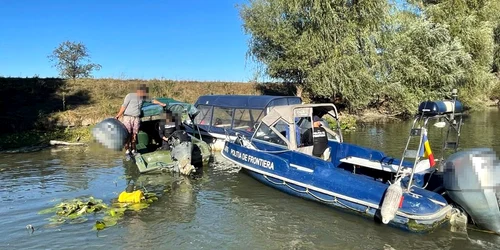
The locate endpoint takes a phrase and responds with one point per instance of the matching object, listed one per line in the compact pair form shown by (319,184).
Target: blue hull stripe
(435,216)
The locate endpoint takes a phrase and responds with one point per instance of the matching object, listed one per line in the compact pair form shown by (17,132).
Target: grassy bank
(36,103)
(31,108)
(40,138)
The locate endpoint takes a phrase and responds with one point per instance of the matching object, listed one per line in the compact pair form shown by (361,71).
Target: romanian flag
(425,150)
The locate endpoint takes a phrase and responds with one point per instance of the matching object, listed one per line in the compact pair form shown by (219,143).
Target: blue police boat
(410,193)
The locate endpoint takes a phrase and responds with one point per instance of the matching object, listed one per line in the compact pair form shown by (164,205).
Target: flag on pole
(425,149)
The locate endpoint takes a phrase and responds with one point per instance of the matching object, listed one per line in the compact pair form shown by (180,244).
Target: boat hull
(269,175)
(215,141)
(162,159)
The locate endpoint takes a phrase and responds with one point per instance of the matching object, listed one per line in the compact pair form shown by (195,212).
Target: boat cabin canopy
(284,125)
(231,113)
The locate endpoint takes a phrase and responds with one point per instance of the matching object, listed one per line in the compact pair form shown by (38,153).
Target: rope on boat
(429,180)
(306,191)
(243,138)
(275,183)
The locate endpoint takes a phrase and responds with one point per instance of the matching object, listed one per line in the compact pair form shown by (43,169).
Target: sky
(180,40)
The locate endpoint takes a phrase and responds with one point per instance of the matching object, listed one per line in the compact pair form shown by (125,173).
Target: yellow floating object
(133,197)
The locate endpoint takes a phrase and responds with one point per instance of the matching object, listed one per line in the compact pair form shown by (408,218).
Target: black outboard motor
(472,180)
(110,133)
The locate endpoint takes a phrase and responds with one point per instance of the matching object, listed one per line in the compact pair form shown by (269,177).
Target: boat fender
(392,201)
(131,197)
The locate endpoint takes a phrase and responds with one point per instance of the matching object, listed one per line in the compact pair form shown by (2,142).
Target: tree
(496,55)
(72,60)
(474,23)
(326,47)
(422,61)
(367,54)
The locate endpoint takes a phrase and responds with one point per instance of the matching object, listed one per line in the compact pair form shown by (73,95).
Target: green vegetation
(347,122)
(32,115)
(80,210)
(72,60)
(376,54)
(42,137)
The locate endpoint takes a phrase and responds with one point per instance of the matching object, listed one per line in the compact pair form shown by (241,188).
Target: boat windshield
(292,126)
(265,133)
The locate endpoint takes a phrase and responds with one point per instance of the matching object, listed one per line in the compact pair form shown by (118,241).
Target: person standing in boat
(316,137)
(131,112)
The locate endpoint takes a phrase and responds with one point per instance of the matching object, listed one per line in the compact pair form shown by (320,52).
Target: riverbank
(32,115)
(34,140)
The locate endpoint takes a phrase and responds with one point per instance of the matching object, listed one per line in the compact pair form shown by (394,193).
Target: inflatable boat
(416,192)
(150,157)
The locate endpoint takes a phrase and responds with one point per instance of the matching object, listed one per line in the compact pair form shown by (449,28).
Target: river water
(220,209)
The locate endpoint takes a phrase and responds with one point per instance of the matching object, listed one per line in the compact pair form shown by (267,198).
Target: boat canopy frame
(289,115)
(453,119)
(254,106)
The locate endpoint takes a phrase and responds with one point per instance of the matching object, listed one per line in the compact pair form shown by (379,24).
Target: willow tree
(327,47)
(472,22)
(496,55)
(422,61)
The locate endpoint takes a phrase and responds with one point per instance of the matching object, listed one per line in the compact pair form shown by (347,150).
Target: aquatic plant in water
(77,211)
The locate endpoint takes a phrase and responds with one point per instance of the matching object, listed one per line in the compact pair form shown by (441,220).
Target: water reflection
(221,208)
(480,129)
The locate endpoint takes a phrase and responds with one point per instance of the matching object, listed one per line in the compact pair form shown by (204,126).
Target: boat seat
(326,154)
(308,150)
(422,165)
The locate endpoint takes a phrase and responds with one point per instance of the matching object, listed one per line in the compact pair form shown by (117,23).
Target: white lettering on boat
(252,159)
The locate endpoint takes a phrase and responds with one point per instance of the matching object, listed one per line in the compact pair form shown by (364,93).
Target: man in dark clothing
(166,127)
(316,137)
(176,139)
(170,128)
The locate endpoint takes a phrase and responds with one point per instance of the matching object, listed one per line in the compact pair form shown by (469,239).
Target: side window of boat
(205,115)
(245,119)
(222,117)
(257,115)
(264,133)
(242,119)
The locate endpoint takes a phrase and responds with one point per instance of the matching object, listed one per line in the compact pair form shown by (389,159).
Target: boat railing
(419,131)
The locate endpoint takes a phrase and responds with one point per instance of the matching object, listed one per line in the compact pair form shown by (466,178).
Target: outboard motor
(110,133)
(181,151)
(472,180)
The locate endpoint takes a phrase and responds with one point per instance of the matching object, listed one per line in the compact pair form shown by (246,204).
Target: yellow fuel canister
(132,197)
